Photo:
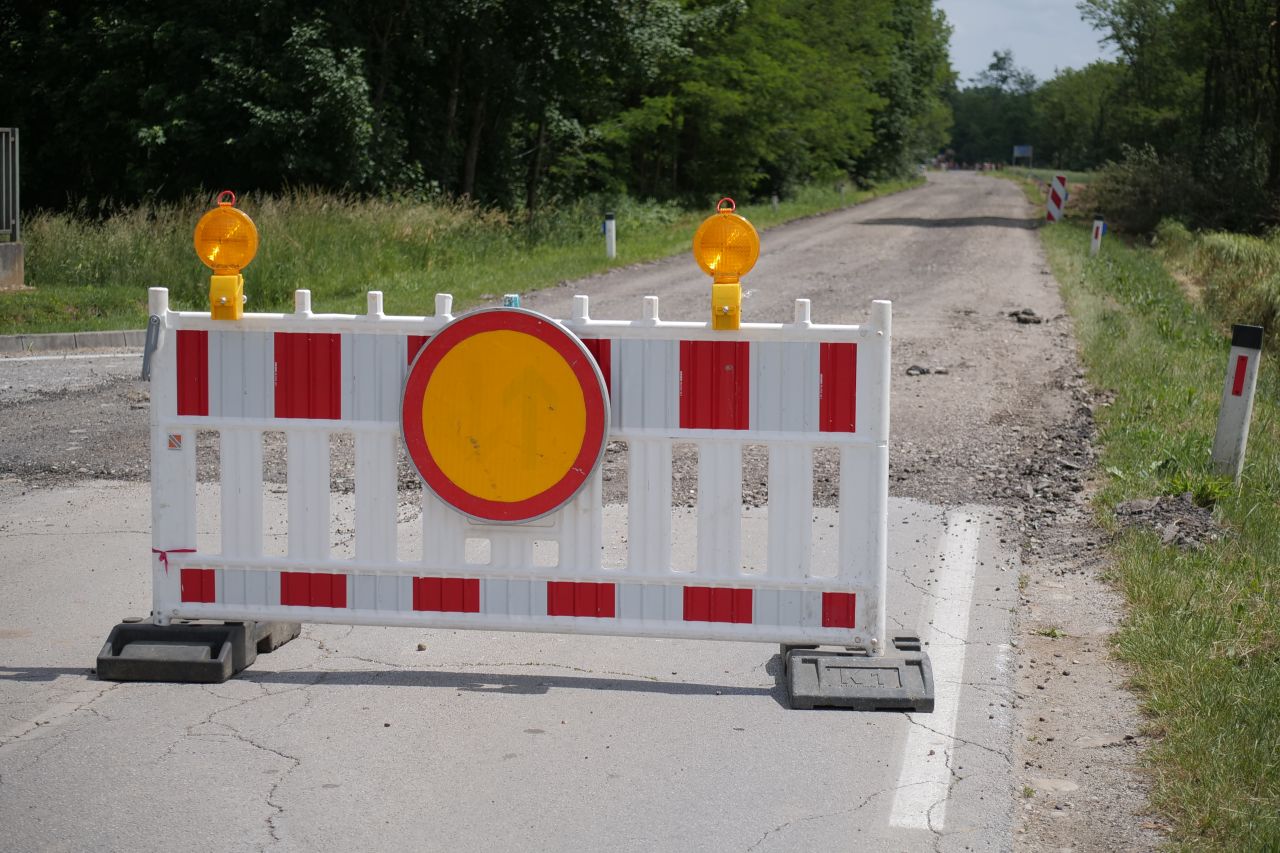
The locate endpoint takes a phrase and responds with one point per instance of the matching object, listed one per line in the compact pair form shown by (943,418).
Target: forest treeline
(511,103)
(1188,112)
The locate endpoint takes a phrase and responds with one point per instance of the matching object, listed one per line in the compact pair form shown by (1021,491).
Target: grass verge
(1043,175)
(1203,628)
(95,276)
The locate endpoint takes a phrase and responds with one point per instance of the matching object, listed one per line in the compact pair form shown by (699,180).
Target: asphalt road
(354,739)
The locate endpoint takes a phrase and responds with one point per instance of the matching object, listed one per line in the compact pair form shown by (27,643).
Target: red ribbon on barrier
(164,555)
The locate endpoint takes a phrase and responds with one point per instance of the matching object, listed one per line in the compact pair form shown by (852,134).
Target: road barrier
(1057,198)
(790,389)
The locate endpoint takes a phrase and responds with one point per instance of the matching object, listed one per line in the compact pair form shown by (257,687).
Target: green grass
(1042,175)
(1203,627)
(1238,275)
(95,276)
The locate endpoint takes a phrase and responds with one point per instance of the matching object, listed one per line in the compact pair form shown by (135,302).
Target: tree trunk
(451,106)
(535,169)
(1273,144)
(473,149)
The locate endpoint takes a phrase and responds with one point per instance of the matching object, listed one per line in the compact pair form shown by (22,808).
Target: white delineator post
(1237,400)
(610,236)
(1095,244)
(1057,198)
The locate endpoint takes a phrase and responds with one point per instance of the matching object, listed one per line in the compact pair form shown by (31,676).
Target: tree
(994,113)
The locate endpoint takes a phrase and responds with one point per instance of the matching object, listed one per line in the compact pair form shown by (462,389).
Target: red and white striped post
(1095,244)
(1057,198)
(1237,400)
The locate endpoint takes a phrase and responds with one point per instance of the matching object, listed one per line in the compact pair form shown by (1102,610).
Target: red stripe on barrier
(567,598)
(715,379)
(838,388)
(838,609)
(193,373)
(308,375)
(198,586)
(1055,198)
(1237,384)
(447,595)
(313,589)
(601,350)
(717,604)
(416,343)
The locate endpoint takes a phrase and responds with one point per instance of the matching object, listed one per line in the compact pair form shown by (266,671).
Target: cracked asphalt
(354,738)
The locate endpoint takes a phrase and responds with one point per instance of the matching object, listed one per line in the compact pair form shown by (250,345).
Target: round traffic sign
(505,415)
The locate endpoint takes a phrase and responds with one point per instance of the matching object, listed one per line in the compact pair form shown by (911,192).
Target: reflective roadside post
(610,237)
(1095,243)
(1237,400)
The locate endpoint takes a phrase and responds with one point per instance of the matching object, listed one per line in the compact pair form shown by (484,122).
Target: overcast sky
(1043,34)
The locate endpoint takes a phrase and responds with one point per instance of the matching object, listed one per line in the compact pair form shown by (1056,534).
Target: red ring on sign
(595,400)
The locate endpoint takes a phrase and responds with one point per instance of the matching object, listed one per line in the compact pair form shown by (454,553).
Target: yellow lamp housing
(226,240)
(726,247)
(226,297)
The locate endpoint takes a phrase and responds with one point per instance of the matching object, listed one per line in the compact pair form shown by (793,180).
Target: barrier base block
(899,680)
(188,652)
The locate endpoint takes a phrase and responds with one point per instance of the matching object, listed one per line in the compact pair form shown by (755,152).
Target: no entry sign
(505,415)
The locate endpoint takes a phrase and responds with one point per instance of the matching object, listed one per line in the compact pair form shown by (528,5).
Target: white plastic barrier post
(1095,242)
(1237,400)
(610,236)
(1057,198)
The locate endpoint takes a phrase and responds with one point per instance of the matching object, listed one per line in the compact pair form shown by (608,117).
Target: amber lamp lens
(726,246)
(226,240)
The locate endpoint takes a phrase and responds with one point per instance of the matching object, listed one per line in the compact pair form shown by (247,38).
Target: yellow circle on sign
(226,239)
(726,246)
(504,416)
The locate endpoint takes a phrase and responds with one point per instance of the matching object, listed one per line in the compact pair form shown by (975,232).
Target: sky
(1044,35)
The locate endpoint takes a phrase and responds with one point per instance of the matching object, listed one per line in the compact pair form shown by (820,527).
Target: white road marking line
(925,777)
(6,359)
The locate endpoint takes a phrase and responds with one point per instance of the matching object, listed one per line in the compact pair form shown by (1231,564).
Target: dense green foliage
(1190,111)
(508,102)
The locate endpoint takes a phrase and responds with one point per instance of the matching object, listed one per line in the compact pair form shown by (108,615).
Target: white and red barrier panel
(791,388)
(1057,199)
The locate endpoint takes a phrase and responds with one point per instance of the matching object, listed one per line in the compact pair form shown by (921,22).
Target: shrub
(1142,189)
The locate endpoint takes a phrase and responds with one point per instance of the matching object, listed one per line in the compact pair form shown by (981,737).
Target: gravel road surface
(358,739)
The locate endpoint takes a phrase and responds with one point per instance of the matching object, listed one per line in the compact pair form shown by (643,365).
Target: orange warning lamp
(726,246)
(226,241)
